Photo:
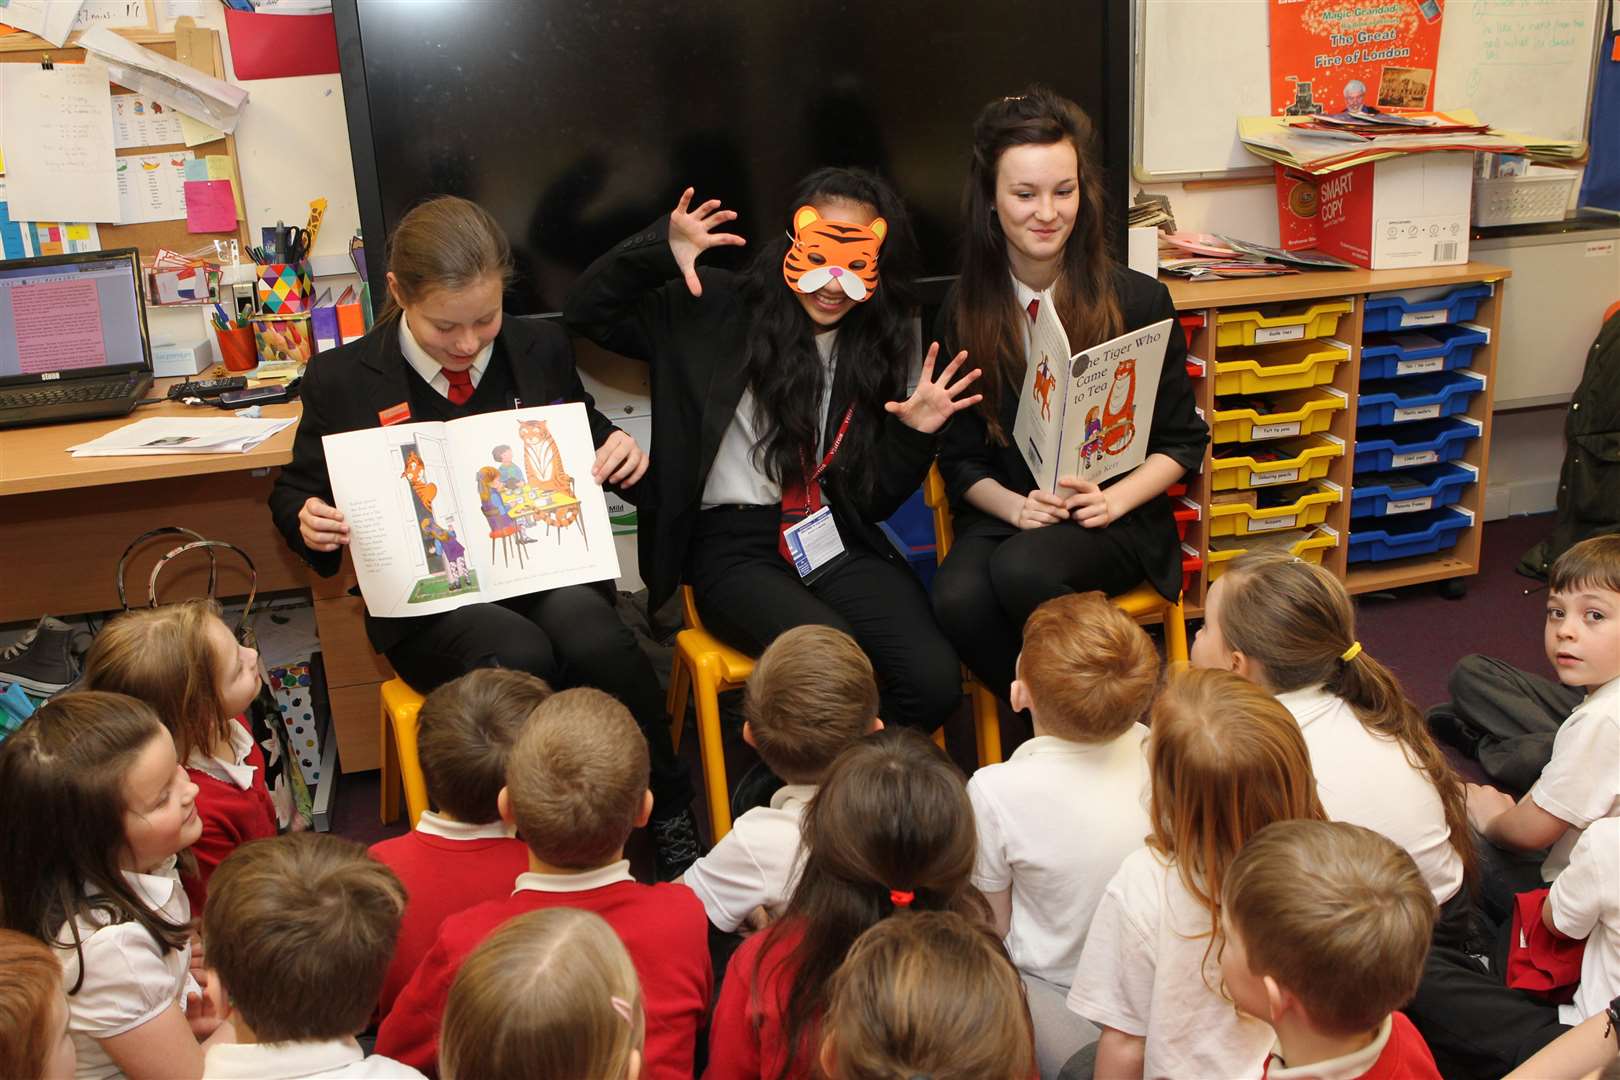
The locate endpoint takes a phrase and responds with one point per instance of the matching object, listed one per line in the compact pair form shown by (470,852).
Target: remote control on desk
(206,388)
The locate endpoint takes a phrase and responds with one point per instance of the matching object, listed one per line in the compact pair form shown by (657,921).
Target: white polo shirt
(300,1060)
(1586,904)
(128,979)
(1581,783)
(1055,821)
(756,864)
(1366,779)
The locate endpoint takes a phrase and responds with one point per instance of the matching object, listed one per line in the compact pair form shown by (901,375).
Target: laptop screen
(68,316)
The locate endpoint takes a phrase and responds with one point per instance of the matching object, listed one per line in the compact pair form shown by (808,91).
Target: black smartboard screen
(577,122)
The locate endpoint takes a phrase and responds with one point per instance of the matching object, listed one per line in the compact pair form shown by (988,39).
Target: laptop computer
(73,337)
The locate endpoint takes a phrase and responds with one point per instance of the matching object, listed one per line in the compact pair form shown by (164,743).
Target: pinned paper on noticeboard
(210,206)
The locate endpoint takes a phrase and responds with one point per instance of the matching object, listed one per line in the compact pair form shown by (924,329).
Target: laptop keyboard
(66,393)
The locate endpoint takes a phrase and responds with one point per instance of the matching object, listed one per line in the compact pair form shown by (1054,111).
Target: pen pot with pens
(284,283)
(236,344)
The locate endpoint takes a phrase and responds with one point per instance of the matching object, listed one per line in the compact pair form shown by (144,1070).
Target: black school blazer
(1179,432)
(633,301)
(345,389)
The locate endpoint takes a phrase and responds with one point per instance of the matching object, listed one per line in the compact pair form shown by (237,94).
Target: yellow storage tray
(1273,368)
(1307,544)
(1309,462)
(1236,519)
(1303,413)
(1264,325)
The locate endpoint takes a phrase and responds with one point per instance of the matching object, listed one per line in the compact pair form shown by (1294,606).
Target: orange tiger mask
(825,250)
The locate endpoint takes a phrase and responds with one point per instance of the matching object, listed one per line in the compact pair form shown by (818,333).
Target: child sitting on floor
(461,853)
(34,1038)
(811,695)
(299,929)
(1326,926)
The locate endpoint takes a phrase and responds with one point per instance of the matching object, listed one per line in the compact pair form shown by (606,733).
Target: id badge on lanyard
(809,536)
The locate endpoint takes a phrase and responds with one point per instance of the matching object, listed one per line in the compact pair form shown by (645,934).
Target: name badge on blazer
(395,414)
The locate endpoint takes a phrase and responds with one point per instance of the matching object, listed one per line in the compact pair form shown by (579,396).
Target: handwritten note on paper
(58,325)
(59,138)
(195,132)
(119,14)
(141,121)
(151,187)
(210,206)
(50,19)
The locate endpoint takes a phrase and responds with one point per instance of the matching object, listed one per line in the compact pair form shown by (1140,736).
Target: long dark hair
(893,814)
(62,796)
(987,321)
(875,341)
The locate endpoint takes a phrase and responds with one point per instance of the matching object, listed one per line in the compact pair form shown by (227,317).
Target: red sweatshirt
(231,815)
(663,927)
(748,1038)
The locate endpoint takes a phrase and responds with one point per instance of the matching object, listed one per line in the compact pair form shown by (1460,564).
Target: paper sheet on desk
(183,435)
(203,97)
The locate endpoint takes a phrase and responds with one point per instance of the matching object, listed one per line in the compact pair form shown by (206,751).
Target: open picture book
(471,510)
(1087,414)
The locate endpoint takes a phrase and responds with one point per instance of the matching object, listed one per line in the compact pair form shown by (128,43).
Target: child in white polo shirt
(1056,820)
(812,694)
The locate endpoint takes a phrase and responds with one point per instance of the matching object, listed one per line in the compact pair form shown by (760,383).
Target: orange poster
(1332,56)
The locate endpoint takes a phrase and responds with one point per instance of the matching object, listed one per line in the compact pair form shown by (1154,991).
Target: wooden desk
(64,521)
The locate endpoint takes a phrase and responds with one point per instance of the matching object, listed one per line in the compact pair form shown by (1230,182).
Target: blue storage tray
(1403,537)
(1416,397)
(1419,352)
(1428,442)
(1429,487)
(913,522)
(1392,311)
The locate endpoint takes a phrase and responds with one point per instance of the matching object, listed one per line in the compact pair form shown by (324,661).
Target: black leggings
(995,576)
(569,637)
(748,594)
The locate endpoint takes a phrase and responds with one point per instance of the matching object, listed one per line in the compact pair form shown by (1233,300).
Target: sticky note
(78,232)
(196,132)
(219,167)
(210,206)
(196,169)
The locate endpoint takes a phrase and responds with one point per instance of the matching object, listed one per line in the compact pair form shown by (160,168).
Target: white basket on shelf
(1540,195)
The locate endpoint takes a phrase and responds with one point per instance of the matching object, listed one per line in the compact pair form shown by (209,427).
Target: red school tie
(1034,306)
(461,385)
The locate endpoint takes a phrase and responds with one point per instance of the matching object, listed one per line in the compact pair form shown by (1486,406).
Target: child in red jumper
(461,853)
(1326,926)
(576,784)
(890,829)
(183,660)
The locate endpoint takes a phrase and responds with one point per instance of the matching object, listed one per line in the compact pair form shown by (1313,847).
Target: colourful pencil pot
(283,338)
(284,288)
(237,348)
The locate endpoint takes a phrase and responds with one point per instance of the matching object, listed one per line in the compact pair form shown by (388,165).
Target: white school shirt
(299,1061)
(232,769)
(734,477)
(1055,821)
(756,864)
(432,824)
(602,876)
(431,370)
(1585,903)
(1582,781)
(1148,970)
(1365,778)
(128,979)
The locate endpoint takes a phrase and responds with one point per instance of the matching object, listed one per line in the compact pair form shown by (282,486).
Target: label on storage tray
(1279,476)
(1414,457)
(1424,318)
(1416,367)
(1274,431)
(1265,335)
(1271,524)
(1417,412)
(1408,506)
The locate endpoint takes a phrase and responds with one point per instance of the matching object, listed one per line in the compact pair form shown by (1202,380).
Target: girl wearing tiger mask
(1034,204)
(778,391)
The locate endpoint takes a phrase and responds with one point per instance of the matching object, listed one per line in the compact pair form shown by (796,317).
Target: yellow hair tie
(1352,652)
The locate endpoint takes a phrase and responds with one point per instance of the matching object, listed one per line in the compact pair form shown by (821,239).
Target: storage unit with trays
(1349,416)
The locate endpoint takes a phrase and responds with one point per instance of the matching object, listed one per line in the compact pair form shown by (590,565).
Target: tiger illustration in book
(1119,412)
(824,250)
(1045,381)
(449,548)
(542,461)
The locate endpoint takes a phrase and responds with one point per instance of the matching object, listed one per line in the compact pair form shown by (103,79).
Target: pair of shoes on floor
(1454,731)
(676,844)
(48,659)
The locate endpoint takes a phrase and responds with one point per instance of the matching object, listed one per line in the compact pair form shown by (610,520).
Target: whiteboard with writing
(1524,65)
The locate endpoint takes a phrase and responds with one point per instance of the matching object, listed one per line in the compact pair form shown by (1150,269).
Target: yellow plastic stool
(709,667)
(401,767)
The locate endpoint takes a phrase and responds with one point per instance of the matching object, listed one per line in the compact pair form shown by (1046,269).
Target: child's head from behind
(1087,671)
(930,994)
(34,1038)
(550,993)
(1226,760)
(812,693)
(1328,916)
(90,787)
(1583,613)
(182,660)
(300,929)
(465,732)
(576,783)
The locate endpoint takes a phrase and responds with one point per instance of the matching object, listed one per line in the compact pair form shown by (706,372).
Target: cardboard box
(1398,213)
(183,360)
